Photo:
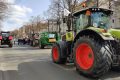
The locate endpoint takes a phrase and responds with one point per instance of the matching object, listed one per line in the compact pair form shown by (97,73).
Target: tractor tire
(41,46)
(59,53)
(10,45)
(0,42)
(91,58)
(116,49)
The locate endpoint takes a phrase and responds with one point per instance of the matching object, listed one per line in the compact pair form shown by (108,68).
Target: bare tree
(57,7)
(70,5)
(55,11)
(3,10)
(37,20)
(35,25)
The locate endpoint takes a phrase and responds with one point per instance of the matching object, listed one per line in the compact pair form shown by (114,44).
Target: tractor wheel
(57,54)
(0,43)
(91,58)
(10,45)
(41,46)
(116,49)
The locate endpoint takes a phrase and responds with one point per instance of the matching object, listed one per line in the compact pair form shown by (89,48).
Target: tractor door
(81,22)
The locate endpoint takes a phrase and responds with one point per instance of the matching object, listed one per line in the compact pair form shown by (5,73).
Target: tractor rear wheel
(116,48)
(10,45)
(91,57)
(0,42)
(57,54)
(41,46)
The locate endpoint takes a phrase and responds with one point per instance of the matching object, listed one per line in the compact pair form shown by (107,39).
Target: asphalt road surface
(27,63)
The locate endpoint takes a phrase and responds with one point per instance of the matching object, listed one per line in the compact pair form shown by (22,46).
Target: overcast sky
(22,10)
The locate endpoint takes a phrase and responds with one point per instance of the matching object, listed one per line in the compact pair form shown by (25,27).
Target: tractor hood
(115,33)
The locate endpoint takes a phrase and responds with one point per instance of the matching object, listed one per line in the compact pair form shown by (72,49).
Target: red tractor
(6,39)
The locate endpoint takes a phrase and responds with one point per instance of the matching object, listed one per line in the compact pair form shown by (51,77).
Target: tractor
(48,38)
(6,39)
(92,46)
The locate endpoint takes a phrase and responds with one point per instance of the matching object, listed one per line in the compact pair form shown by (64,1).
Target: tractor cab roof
(107,11)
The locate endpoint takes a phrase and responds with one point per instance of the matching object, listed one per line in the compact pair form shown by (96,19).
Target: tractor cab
(92,17)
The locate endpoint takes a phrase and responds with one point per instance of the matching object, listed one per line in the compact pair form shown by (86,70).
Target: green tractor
(48,38)
(92,45)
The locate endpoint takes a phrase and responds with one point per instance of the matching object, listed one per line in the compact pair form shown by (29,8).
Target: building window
(119,20)
(113,20)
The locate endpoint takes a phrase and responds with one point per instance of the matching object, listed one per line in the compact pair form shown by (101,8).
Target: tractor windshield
(100,20)
(51,35)
(5,34)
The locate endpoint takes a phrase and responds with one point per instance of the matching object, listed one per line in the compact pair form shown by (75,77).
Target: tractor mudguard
(70,36)
(102,32)
(63,48)
(97,33)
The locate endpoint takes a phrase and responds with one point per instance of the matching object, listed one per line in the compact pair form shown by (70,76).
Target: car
(6,39)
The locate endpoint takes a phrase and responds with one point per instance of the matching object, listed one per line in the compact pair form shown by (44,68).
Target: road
(27,63)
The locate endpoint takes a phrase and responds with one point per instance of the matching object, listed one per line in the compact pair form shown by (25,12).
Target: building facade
(114,5)
(116,14)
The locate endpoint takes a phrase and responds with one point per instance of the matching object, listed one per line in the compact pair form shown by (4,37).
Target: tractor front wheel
(57,54)
(91,58)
